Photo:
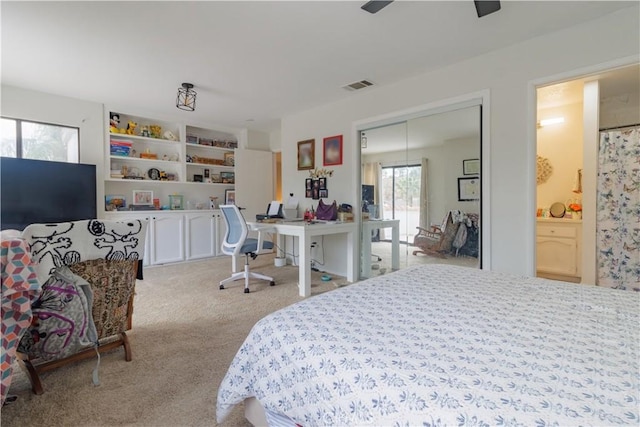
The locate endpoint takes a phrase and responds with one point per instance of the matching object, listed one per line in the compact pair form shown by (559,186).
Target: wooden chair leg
(34,378)
(127,347)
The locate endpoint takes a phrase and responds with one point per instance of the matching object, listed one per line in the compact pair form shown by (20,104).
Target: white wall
(507,74)
(561,144)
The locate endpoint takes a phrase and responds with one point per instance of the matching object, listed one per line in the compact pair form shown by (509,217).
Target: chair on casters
(236,241)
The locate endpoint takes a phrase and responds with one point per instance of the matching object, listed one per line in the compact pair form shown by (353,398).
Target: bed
(445,345)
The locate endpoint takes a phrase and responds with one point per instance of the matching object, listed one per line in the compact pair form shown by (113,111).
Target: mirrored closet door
(421,191)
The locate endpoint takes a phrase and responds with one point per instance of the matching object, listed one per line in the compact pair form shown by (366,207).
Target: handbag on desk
(327,212)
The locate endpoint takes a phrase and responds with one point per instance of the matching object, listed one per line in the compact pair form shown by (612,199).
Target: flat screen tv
(367,193)
(37,191)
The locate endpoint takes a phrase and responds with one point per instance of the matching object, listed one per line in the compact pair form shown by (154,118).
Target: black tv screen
(367,193)
(37,191)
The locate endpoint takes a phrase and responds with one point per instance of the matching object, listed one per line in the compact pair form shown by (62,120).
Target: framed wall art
(471,167)
(306,154)
(142,197)
(468,189)
(332,151)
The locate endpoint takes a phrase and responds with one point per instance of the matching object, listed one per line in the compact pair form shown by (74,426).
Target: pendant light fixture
(186,99)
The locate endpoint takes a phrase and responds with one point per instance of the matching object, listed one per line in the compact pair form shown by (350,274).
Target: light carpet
(185,334)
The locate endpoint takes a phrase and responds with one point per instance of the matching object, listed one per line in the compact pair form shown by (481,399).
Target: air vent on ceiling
(358,85)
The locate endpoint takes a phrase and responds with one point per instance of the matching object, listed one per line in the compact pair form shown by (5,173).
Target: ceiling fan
(483,7)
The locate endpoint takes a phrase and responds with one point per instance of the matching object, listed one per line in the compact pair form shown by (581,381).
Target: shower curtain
(618,210)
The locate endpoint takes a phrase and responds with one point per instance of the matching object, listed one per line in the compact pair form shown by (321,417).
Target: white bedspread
(444,345)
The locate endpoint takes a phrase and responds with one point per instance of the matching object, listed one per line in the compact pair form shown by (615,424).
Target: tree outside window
(39,141)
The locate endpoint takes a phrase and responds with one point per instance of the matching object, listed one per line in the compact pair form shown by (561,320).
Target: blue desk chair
(236,242)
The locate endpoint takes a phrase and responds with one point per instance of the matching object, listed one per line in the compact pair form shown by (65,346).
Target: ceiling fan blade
(484,7)
(374,5)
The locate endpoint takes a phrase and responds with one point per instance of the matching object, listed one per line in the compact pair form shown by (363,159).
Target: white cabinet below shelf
(202,232)
(559,248)
(177,236)
(168,238)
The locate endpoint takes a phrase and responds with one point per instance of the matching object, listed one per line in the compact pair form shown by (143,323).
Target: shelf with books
(167,157)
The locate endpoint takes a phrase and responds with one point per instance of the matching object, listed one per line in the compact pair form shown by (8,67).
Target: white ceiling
(253,62)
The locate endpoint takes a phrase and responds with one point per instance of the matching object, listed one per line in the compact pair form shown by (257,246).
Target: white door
(254,181)
(201,235)
(168,238)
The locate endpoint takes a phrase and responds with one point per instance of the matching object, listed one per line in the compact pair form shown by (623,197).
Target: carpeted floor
(185,333)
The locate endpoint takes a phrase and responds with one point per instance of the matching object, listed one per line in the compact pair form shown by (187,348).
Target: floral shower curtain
(618,210)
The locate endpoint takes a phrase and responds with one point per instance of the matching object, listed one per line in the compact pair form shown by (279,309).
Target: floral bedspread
(445,345)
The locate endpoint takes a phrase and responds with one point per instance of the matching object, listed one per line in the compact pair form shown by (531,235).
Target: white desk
(305,232)
(367,228)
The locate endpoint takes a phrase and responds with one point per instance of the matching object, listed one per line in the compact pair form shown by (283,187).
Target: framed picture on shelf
(229,159)
(306,154)
(229,197)
(192,139)
(228,177)
(142,197)
(176,202)
(471,167)
(197,178)
(332,151)
(468,189)
(113,202)
(207,173)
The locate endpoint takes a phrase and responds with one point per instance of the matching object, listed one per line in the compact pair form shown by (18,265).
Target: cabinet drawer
(556,230)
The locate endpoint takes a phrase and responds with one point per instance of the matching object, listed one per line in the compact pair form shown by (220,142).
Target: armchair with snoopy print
(103,253)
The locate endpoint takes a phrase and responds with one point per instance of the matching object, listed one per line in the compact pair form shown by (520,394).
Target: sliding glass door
(401,198)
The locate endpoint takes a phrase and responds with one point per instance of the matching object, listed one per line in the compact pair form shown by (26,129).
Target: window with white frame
(39,141)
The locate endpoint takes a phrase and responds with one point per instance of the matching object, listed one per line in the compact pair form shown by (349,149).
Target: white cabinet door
(557,255)
(201,235)
(254,181)
(168,238)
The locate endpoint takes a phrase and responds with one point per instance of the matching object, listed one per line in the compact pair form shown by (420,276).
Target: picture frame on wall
(229,197)
(323,193)
(306,154)
(468,189)
(142,197)
(471,167)
(332,151)
(308,184)
(322,182)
